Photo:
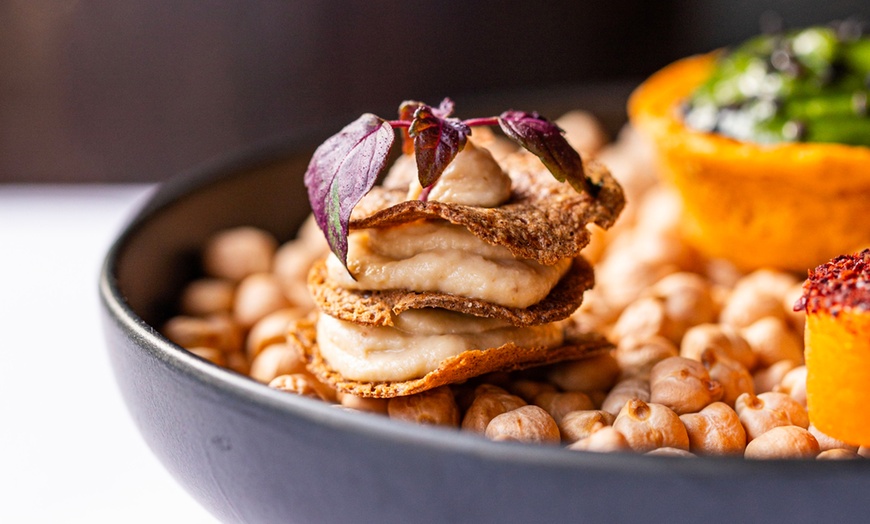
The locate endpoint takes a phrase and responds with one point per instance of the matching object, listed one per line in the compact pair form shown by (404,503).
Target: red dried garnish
(841,284)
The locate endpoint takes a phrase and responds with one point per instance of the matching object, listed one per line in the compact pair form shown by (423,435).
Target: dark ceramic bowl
(252,454)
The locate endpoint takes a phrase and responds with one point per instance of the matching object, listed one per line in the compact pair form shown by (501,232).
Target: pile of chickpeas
(707,361)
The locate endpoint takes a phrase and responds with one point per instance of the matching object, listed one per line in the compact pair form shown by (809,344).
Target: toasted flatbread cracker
(377,308)
(459,368)
(544,220)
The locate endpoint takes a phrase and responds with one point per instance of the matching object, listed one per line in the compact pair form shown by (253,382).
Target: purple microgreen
(545,140)
(345,167)
(342,170)
(437,140)
(406,114)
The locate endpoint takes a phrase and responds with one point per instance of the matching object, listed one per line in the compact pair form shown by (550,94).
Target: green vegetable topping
(809,85)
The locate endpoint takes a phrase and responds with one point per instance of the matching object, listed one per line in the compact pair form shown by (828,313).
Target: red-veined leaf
(545,140)
(342,170)
(437,140)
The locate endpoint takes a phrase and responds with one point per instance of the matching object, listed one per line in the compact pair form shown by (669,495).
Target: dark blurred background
(137,90)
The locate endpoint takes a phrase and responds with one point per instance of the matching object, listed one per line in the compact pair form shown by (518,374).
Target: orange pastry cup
(790,206)
(837,347)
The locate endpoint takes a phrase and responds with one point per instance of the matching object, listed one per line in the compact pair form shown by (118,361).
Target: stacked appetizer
(471,266)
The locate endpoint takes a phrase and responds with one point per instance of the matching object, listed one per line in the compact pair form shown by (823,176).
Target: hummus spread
(419,342)
(439,256)
(436,256)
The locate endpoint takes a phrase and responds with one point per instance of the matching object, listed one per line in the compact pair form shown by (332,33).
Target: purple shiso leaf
(437,140)
(545,140)
(342,170)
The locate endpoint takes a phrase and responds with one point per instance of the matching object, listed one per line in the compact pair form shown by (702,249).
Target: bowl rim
(378,426)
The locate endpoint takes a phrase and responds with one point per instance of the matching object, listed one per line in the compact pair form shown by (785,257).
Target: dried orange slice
(837,339)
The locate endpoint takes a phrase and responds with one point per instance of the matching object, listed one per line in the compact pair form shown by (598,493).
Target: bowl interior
(187,409)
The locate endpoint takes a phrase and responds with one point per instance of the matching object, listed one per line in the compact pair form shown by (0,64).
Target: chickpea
(734,378)
(757,295)
(768,379)
(721,337)
(783,442)
(595,313)
(659,212)
(622,276)
(636,357)
(643,318)
(722,274)
(528,423)
(215,356)
(827,442)
(270,329)
(577,425)
(216,331)
(638,159)
(257,295)
(207,296)
(312,237)
(647,426)
(291,265)
(794,384)
(370,405)
(236,253)
(486,406)
(583,131)
(605,440)
(625,390)
(838,454)
(687,301)
(276,359)
(436,406)
(682,384)
(589,374)
(466,393)
(558,404)
(666,248)
(715,430)
(597,396)
(529,389)
(293,260)
(760,413)
(745,307)
(771,340)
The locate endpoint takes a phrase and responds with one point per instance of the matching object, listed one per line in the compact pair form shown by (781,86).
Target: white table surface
(69,451)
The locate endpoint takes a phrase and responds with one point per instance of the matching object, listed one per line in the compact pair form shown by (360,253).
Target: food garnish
(808,85)
(347,165)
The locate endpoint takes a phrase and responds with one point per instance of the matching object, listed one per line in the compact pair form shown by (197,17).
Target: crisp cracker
(377,308)
(459,368)
(544,220)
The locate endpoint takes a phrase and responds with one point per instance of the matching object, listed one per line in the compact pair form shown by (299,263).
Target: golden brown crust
(544,220)
(464,366)
(377,308)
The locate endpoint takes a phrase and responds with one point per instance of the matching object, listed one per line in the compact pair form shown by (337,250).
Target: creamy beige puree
(419,342)
(439,256)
